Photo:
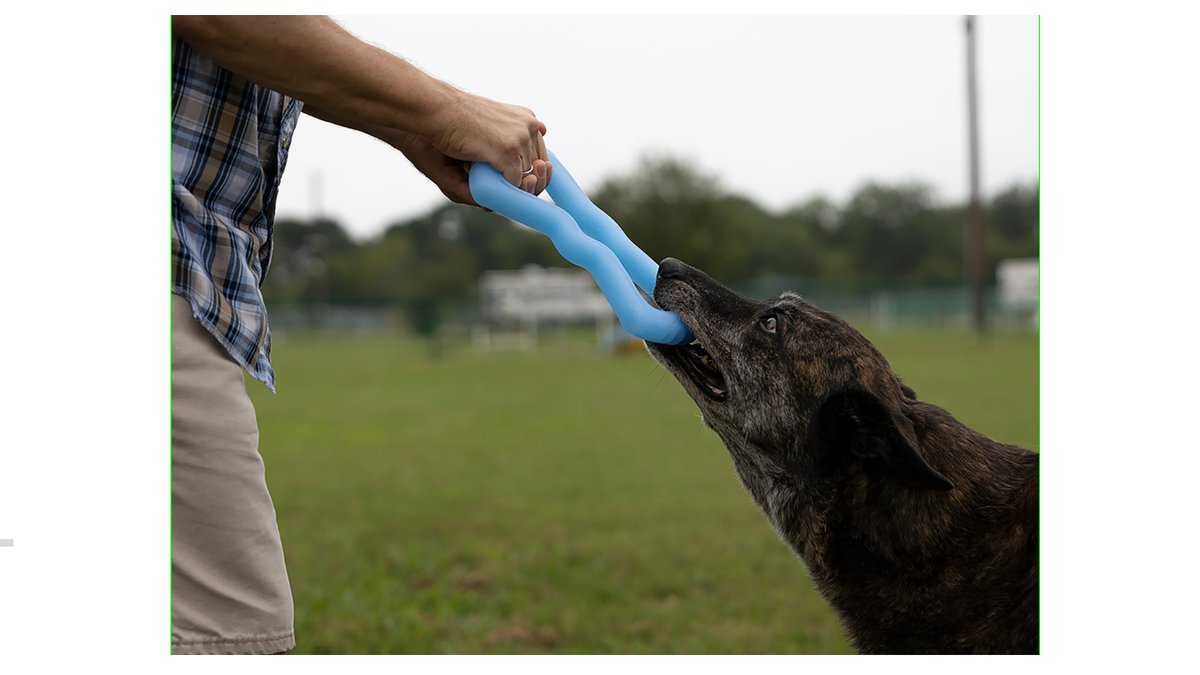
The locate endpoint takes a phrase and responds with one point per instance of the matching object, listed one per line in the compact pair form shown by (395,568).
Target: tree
(300,260)
(888,231)
(671,209)
(885,235)
(1012,218)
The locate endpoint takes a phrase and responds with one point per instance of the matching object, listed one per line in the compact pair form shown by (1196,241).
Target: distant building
(537,294)
(1017,283)
(536,297)
(1017,287)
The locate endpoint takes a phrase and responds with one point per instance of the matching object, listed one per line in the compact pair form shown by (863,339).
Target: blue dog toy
(587,237)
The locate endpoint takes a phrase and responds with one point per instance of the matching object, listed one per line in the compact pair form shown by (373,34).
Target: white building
(525,299)
(1017,287)
(542,295)
(1017,282)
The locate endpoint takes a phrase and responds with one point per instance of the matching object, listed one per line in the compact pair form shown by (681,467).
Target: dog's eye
(769,323)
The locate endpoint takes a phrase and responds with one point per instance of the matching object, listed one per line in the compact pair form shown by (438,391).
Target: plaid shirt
(229,144)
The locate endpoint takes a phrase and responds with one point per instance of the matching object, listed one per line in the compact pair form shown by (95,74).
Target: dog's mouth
(703,371)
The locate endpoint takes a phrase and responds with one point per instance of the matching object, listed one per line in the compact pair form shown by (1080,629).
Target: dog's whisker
(661,378)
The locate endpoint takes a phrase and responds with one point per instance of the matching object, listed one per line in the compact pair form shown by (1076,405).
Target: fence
(884,306)
(876,307)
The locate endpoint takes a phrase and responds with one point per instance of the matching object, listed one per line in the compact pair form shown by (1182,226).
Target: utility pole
(975,231)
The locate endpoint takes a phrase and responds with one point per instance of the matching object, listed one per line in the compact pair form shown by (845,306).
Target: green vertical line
(1041,397)
(1038,187)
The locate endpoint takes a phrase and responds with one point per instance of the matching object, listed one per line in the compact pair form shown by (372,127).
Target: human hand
(452,176)
(509,137)
(449,174)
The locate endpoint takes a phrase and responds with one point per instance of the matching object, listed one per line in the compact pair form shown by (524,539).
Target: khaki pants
(229,586)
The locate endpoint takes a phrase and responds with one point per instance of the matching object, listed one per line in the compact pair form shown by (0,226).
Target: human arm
(348,82)
(449,174)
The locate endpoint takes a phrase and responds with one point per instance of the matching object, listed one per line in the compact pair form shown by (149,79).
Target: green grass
(563,501)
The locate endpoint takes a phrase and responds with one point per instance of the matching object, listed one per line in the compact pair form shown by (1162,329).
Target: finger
(539,143)
(528,183)
(541,126)
(513,168)
(462,197)
(460,188)
(541,169)
(459,192)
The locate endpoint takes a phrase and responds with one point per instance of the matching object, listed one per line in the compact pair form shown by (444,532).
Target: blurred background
(467,454)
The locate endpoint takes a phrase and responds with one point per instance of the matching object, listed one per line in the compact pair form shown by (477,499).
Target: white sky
(778,108)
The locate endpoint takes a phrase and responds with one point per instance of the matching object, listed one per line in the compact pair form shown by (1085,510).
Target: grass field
(559,501)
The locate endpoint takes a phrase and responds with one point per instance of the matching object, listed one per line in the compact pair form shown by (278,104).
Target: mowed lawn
(558,501)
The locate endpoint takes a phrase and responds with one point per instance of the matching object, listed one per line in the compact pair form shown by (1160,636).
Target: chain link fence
(878,307)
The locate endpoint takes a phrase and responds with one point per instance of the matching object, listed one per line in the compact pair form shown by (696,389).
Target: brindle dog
(920,532)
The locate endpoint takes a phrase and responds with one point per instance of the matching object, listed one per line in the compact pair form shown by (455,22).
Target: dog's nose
(670,268)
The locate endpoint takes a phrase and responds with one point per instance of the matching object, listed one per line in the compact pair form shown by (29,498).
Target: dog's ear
(870,429)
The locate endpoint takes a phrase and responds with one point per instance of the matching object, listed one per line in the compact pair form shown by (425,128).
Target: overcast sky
(777,108)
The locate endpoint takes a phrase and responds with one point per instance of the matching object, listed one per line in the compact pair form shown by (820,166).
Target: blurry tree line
(884,236)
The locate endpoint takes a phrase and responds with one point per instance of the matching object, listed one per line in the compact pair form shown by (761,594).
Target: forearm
(397,138)
(340,78)
(348,82)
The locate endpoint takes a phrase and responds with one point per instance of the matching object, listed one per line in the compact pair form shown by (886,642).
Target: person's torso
(229,144)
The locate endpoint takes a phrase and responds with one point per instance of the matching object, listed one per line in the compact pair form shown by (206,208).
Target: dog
(921,533)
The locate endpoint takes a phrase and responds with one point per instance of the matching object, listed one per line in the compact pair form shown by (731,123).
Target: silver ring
(527,171)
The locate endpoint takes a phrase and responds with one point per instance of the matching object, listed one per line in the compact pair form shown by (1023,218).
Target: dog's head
(794,392)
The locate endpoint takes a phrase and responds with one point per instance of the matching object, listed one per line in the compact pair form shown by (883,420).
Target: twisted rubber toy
(589,238)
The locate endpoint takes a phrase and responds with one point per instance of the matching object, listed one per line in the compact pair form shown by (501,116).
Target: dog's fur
(921,533)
